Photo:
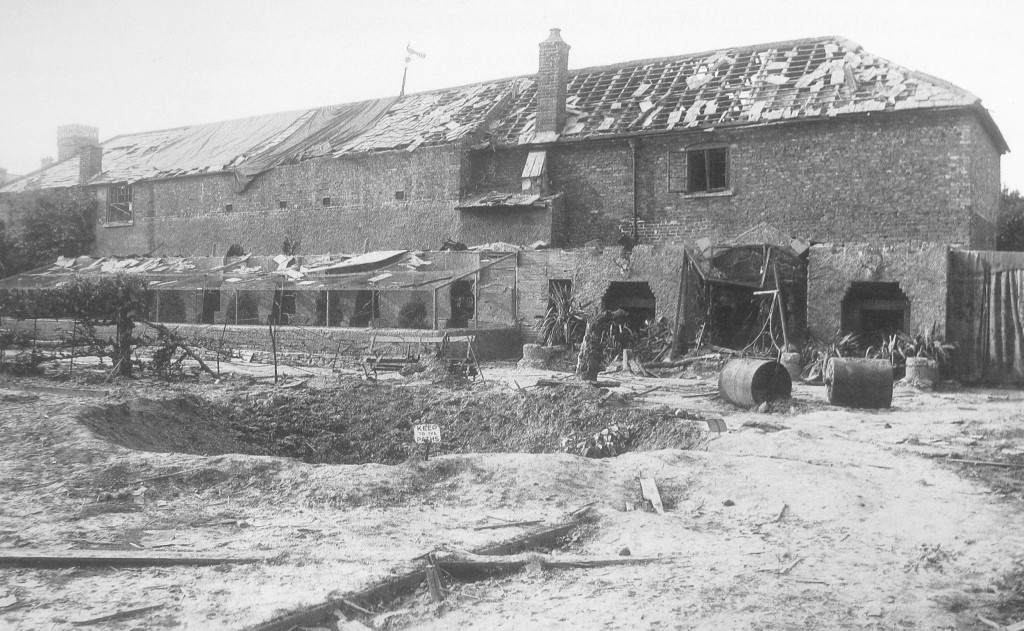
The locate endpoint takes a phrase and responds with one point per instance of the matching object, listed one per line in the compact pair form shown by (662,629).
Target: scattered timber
(679,363)
(118,615)
(455,561)
(549,383)
(89,558)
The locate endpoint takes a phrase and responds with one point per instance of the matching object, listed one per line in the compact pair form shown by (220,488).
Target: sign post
(427,434)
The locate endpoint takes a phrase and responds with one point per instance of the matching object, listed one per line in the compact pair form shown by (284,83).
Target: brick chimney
(45,162)
(90,162)
(71,138)
(551,81)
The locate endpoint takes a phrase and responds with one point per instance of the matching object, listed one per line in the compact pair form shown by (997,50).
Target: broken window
(119,203)
(703,170)
(463,304)
(283,308)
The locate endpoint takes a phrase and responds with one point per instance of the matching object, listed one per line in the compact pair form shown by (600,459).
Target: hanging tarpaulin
(986,315)
(317,133)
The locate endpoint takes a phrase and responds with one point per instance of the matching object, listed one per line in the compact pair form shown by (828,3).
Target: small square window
(282,204)
(704,170)
(399,195)
(326,201)
(228,207)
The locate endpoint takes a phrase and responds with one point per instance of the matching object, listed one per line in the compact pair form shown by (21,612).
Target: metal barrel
(748,382)
(859,383)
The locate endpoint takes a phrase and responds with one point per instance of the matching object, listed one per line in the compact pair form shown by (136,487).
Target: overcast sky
(128,66)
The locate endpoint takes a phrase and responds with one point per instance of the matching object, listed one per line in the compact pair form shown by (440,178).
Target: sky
(130,66)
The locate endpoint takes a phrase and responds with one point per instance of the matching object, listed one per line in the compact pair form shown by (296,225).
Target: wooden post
(476,301)
(435,308)
(220,347)
(273,345)
(433,577)
(680,323)
(327,317)
(782,307)
(74,330)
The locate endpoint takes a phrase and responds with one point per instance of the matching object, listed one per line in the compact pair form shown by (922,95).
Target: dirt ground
(809,517)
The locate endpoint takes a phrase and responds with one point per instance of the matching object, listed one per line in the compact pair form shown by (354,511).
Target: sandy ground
(874,535)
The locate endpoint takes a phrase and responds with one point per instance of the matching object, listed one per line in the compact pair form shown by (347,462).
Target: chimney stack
(90,162)
(71,139)
(45,162)
(551,83)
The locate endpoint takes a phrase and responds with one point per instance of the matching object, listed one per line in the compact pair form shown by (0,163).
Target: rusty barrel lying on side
(859,383)
(748,382)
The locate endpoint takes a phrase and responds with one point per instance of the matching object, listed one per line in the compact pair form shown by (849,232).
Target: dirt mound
(187,424)
(373,422)
(362,422)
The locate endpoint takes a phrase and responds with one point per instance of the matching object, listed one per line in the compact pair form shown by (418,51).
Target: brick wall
(921,272)
(188,216)
(910,176)
(986,187)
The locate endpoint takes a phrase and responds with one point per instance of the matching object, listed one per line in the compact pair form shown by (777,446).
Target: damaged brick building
(869,172)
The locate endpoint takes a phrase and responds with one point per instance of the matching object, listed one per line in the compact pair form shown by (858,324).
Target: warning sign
(427,433)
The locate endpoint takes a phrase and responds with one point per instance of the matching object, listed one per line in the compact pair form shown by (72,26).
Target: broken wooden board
(649,490)
(454,561)
(91,558)
(117,615)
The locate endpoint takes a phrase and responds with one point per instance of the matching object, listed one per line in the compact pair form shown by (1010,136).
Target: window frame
(120,200)
(681,163)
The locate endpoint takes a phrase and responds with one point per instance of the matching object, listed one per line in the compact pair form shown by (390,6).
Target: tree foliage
(1011,221)
(39,226)
(119,300)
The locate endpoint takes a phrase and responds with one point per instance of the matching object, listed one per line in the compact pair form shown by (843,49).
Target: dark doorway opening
(367,307)
(211,305)
(875,310)
(328,309)
(463,303)
(635,298)
(283,309)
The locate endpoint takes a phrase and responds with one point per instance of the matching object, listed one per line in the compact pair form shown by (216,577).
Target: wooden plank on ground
(91,558)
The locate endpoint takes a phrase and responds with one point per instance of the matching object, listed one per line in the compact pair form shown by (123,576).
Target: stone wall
(382,200)
(921,272)
(885,178)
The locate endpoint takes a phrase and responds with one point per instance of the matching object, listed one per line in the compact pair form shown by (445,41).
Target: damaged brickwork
(921,272)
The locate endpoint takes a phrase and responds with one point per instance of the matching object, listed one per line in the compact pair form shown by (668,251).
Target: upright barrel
(748,382)
(859,383)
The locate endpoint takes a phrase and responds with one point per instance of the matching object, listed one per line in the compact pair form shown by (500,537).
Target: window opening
(326,201)
(699,170)
(119,203)
(282,204)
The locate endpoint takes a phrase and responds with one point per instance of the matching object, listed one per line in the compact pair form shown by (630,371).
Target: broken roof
(248,146)
(795,80)
(801,79)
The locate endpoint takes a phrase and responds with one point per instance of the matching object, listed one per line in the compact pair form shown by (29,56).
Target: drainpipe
(634,145)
